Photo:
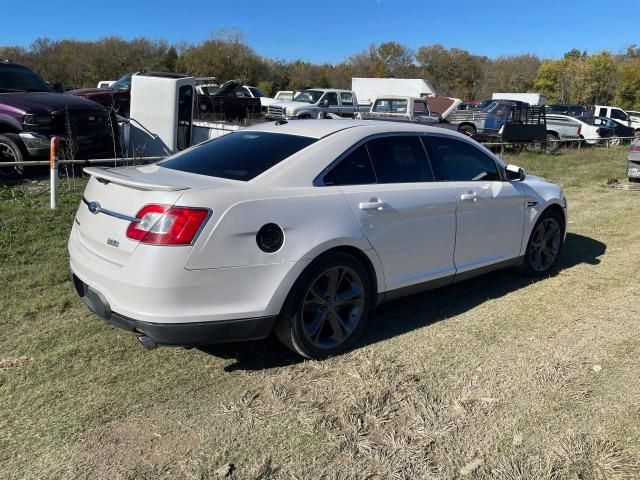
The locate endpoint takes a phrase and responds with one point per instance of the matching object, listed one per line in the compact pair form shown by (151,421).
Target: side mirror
(515,173)
(324,103)
(58,87)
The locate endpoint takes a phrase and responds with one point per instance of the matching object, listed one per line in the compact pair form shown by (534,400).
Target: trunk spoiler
(103,174)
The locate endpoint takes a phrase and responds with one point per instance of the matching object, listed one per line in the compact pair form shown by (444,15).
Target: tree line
(579,77)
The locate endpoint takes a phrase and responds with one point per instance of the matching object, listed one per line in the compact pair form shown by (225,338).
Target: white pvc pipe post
(53,166)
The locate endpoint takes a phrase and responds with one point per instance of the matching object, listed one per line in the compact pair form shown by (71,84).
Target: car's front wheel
(545,244)
(10,151)
(327,307)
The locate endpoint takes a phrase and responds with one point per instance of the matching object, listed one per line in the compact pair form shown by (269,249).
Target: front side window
(354,169)
(464,162)
(399,159)
(238,156)
(346,98)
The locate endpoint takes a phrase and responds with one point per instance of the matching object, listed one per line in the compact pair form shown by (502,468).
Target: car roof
(321,128)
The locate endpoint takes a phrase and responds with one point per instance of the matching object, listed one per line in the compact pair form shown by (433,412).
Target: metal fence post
(53,167)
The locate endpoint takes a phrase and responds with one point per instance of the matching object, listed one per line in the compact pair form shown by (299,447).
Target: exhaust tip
(147,342)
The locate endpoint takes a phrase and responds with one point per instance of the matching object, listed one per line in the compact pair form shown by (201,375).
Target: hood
(284,104)
(44,103)
(91,91)
(227,88)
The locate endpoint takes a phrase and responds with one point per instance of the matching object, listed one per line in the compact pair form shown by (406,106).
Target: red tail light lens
(165,225)
(635,148)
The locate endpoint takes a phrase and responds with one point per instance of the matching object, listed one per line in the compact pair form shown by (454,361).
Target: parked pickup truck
(400,109)
(314,103)
(226,104)
(514,121)
(116,96)
(31,112)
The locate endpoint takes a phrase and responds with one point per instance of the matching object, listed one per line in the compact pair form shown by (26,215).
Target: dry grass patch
(493,378)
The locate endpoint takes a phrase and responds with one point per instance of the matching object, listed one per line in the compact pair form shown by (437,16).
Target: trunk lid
(114,196)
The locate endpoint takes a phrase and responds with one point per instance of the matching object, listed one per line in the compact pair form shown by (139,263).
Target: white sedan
(301,228)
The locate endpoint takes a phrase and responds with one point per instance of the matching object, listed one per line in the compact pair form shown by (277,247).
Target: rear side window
(346,98)
(399,159)
(354,169)
(238,156)
(464,162)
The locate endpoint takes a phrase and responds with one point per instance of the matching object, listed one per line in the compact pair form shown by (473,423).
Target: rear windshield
(238,156)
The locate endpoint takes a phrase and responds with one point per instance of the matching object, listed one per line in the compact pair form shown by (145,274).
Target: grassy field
(497,377)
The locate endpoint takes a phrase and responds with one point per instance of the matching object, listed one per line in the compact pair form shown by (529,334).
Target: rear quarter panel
(313,221)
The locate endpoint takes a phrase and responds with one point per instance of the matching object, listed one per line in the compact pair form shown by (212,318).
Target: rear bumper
(177,334)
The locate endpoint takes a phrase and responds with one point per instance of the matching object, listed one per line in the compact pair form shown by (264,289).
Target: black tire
(305,116)
(319,338)
(634,180)
(552,144)
(467,130)
(11,150)
(537,260)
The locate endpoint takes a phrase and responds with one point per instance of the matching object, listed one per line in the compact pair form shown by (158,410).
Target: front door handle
(469,196)
(372,204)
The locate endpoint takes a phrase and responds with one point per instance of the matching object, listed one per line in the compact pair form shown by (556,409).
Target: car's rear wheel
(545,244)
(327,307)
(552,144)
(10,152)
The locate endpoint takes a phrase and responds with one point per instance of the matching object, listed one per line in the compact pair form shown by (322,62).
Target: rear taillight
(635,148)
(166,225)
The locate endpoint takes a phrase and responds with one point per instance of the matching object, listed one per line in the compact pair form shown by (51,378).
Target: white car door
(490,212)
(407,217)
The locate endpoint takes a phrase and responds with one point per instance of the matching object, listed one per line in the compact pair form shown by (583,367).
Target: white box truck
(533,99)
(366,89)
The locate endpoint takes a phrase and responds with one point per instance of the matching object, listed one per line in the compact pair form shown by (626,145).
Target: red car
(117,96)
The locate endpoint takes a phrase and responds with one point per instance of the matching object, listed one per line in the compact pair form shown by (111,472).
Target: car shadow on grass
(410,313)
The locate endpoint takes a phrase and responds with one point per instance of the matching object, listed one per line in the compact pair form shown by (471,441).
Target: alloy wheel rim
(545,244)
(332,307)
(6,155)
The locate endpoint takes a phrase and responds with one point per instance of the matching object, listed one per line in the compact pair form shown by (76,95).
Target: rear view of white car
(301,228)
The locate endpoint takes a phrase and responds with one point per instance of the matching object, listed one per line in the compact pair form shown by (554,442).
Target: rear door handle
(371,205)
(469,197)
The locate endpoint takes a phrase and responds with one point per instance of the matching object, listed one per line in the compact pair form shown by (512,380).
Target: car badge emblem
(113,243)
(94,207)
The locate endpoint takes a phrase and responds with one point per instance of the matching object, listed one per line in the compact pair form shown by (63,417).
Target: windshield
(123,83)
(308,96)
(238,156)
(284,96)
(210,89)
(15,78)
(497,108)
(390,105)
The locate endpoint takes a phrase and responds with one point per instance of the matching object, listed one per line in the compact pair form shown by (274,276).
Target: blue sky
(330,30)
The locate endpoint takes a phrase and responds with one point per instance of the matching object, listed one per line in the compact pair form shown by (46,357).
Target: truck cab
(316,103)
(400,109)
